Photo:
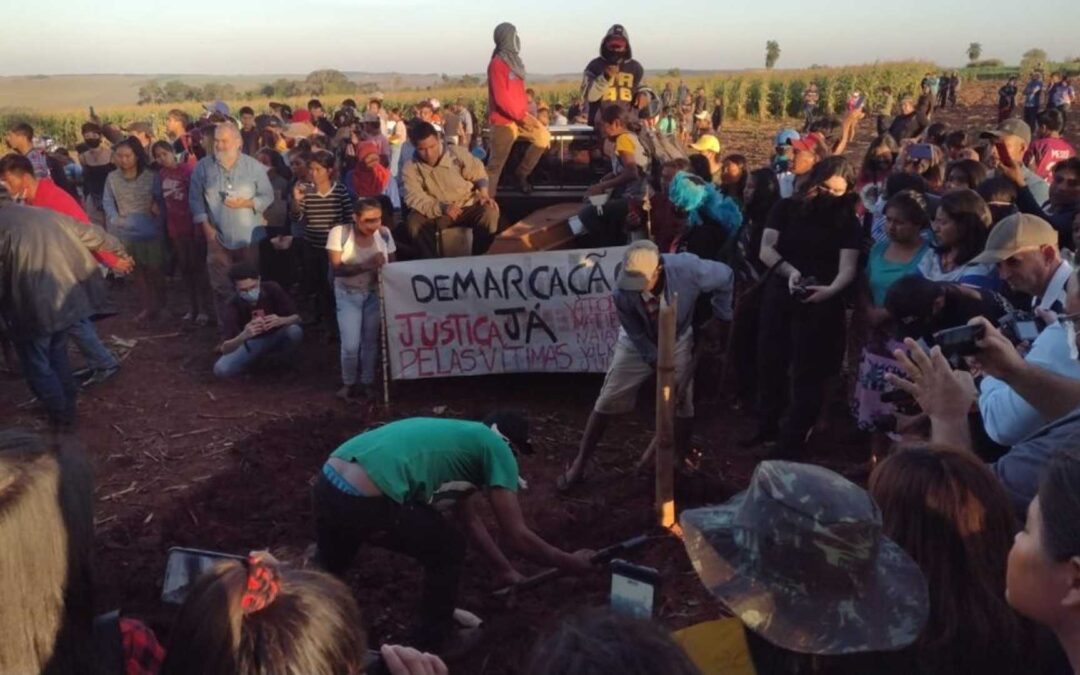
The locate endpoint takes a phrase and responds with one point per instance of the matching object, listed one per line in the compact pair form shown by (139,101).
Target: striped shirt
(320,212)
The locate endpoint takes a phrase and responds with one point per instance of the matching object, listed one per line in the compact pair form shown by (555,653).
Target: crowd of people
(929,285)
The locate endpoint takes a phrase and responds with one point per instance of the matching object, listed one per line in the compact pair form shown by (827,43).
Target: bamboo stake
(665,413)
(385,344)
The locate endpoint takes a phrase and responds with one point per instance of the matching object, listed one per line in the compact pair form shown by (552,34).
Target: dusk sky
(558,36)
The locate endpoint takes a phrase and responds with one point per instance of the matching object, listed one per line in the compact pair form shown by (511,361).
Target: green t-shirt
(409,459)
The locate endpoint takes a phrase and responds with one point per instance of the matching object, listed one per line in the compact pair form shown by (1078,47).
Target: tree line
(317,83)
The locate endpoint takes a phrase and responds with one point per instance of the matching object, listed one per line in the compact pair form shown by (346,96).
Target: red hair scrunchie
(263,584)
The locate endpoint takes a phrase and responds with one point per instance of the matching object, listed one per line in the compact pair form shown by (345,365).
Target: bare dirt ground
(185,460)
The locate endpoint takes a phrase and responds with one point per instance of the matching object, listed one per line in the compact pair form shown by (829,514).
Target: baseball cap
(514,426)
(807,143)
(141,127)
(1013,126)
(639,263)
(217,107)
(703,115)
(786,137)
(370,118)
(1016,233)
(708,142)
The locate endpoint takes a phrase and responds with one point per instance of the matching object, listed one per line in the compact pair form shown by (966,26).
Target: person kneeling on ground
(646,277)
(377,488)
(260,320)
(445,186)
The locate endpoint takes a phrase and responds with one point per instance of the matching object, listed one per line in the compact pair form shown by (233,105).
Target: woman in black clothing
(761,193)
(276,256)
(812,241)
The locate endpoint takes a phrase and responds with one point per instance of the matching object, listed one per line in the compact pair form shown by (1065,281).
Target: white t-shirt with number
(354,251)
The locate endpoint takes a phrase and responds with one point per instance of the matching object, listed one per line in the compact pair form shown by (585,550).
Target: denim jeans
(47,371)
(97,356)
(281,342)
(358,325)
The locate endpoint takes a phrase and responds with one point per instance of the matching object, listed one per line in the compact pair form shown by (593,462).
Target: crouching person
(646,277)
(260,320)
(377,488)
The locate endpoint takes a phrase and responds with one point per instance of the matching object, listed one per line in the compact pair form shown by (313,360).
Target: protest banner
(549,312)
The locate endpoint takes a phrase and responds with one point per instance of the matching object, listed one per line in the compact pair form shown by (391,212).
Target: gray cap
(1013,126)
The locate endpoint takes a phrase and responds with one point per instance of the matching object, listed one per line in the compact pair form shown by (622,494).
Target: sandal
(202,319)
(188,317)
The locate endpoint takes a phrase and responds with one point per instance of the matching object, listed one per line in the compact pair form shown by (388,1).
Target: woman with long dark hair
(952,516)
(130,215)
(812,243)
(889,260)
(734,174)
(1042,579)
(960,227)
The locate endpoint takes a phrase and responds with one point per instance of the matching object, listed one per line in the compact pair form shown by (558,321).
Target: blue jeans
(97,356)
(280,343)
(47,371)
(358,323)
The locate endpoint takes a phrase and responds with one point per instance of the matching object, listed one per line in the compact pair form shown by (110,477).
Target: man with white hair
(228,195)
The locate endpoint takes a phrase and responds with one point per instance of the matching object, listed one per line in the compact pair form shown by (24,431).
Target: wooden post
(385,344)
(665,413)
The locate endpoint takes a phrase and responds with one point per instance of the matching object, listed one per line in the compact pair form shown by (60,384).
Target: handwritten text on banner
(549,312)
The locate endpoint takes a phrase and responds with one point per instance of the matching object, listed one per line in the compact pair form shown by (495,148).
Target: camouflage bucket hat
(799,557)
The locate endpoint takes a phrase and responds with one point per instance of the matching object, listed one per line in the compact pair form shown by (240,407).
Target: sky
(255,37)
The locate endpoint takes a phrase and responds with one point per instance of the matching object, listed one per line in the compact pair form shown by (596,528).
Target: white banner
(549,312)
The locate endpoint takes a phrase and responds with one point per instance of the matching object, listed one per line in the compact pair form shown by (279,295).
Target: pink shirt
(174,188)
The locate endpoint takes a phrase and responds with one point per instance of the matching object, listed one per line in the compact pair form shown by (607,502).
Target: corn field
(750,95)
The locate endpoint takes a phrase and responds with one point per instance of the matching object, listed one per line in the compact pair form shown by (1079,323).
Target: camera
(802,289)
(1019,326)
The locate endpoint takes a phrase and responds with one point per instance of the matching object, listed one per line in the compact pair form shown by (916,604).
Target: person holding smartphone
(812,244)
(260,323)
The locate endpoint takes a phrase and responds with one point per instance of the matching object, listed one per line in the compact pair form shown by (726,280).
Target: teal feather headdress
(701,200)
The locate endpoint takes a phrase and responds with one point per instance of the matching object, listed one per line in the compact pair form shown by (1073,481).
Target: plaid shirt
(143,654)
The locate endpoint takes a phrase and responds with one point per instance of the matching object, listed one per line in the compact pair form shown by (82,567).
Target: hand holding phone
(633,589)
(183,569)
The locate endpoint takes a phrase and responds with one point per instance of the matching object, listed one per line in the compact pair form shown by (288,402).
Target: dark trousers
(344,522)
(424,231)
(605,226)
(279,266)
(799,347)
(1031,116)
(47,371)
(317,281)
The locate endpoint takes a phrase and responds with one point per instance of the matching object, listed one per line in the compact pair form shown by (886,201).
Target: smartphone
(1003,154)
(960,341)
(184,567)
(258,313)
(309,188)
(633,589)
(921,151)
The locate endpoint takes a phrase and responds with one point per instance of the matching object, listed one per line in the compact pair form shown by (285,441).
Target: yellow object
(717,647)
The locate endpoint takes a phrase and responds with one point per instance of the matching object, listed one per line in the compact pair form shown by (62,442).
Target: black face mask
(92,142)
(882,163)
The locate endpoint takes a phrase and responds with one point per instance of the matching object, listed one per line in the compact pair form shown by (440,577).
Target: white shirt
(343,238)
(1007,417)
(1055,290)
